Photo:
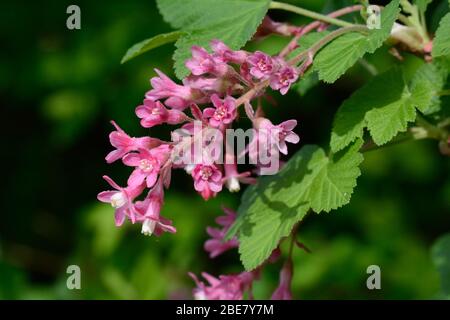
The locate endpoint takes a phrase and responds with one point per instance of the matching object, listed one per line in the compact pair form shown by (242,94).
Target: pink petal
(132,159)
(105,196)
(292,138)
(151,179)
(208,112)
(136,178)
(217,102)
(119,216)
(215,186)
(112,183)
(142,111)
(288,125)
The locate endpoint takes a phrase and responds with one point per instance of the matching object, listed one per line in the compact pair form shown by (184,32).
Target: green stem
(444,92)
(308,13)
(325,40)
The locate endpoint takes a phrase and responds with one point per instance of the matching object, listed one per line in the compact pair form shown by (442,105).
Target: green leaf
(271,208)
(441,42)
(338,56)
(440,253)
(151,43)
(384,105)
(435,74)
(233,21)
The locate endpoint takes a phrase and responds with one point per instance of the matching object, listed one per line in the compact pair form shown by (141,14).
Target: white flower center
(220,113)
(262,65)
(148,227)
(118,199)
(146,165)
(156,111)
(206,173)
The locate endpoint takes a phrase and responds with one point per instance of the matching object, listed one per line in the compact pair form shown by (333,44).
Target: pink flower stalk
(224,111)
(178,97)
(147,164)
(216,246)
(207,180)
(226,287)
(202,62)
(279,134)
(153,113)
(262,65)
(125,144)
(121,199)
(226,54)
(283,78)
(283,292)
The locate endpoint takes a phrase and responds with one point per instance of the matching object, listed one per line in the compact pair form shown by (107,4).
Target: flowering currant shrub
(223,85)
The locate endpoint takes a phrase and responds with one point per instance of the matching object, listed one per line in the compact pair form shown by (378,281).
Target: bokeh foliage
(58,90)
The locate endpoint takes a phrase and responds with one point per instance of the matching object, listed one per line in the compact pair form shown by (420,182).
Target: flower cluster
(218,84)
(235,286)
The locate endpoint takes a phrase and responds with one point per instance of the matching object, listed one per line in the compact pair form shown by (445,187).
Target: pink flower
(279,134)
(224,111)
(125,144)
(147,163)
(283,78)
(233,177)
(121,199)
(148,213)
(283,292)
(207,180)
(202,62)
(153,113)
(262,65)
(226,287)
(178,97)
(216,246)
(226,54)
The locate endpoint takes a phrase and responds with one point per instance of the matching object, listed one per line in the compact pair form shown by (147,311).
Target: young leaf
(441,42)
(151,43)
(335,58)
(271,208)
(233,22)
(384,105)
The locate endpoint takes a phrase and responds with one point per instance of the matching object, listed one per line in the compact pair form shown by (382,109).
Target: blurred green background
(59,89)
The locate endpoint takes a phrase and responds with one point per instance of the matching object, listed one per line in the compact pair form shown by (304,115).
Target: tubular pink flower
(202,62)
(147,164)
(283,292)
(121,199)
(178,97)
(148,213)
(207,180)
(153,113)
(279,134)
(226,287)
(125,144)
(224,111)
(216,246)
(226,54)
(283,78)
(261,65)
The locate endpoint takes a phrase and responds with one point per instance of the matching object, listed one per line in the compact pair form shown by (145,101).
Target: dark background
(58,91)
